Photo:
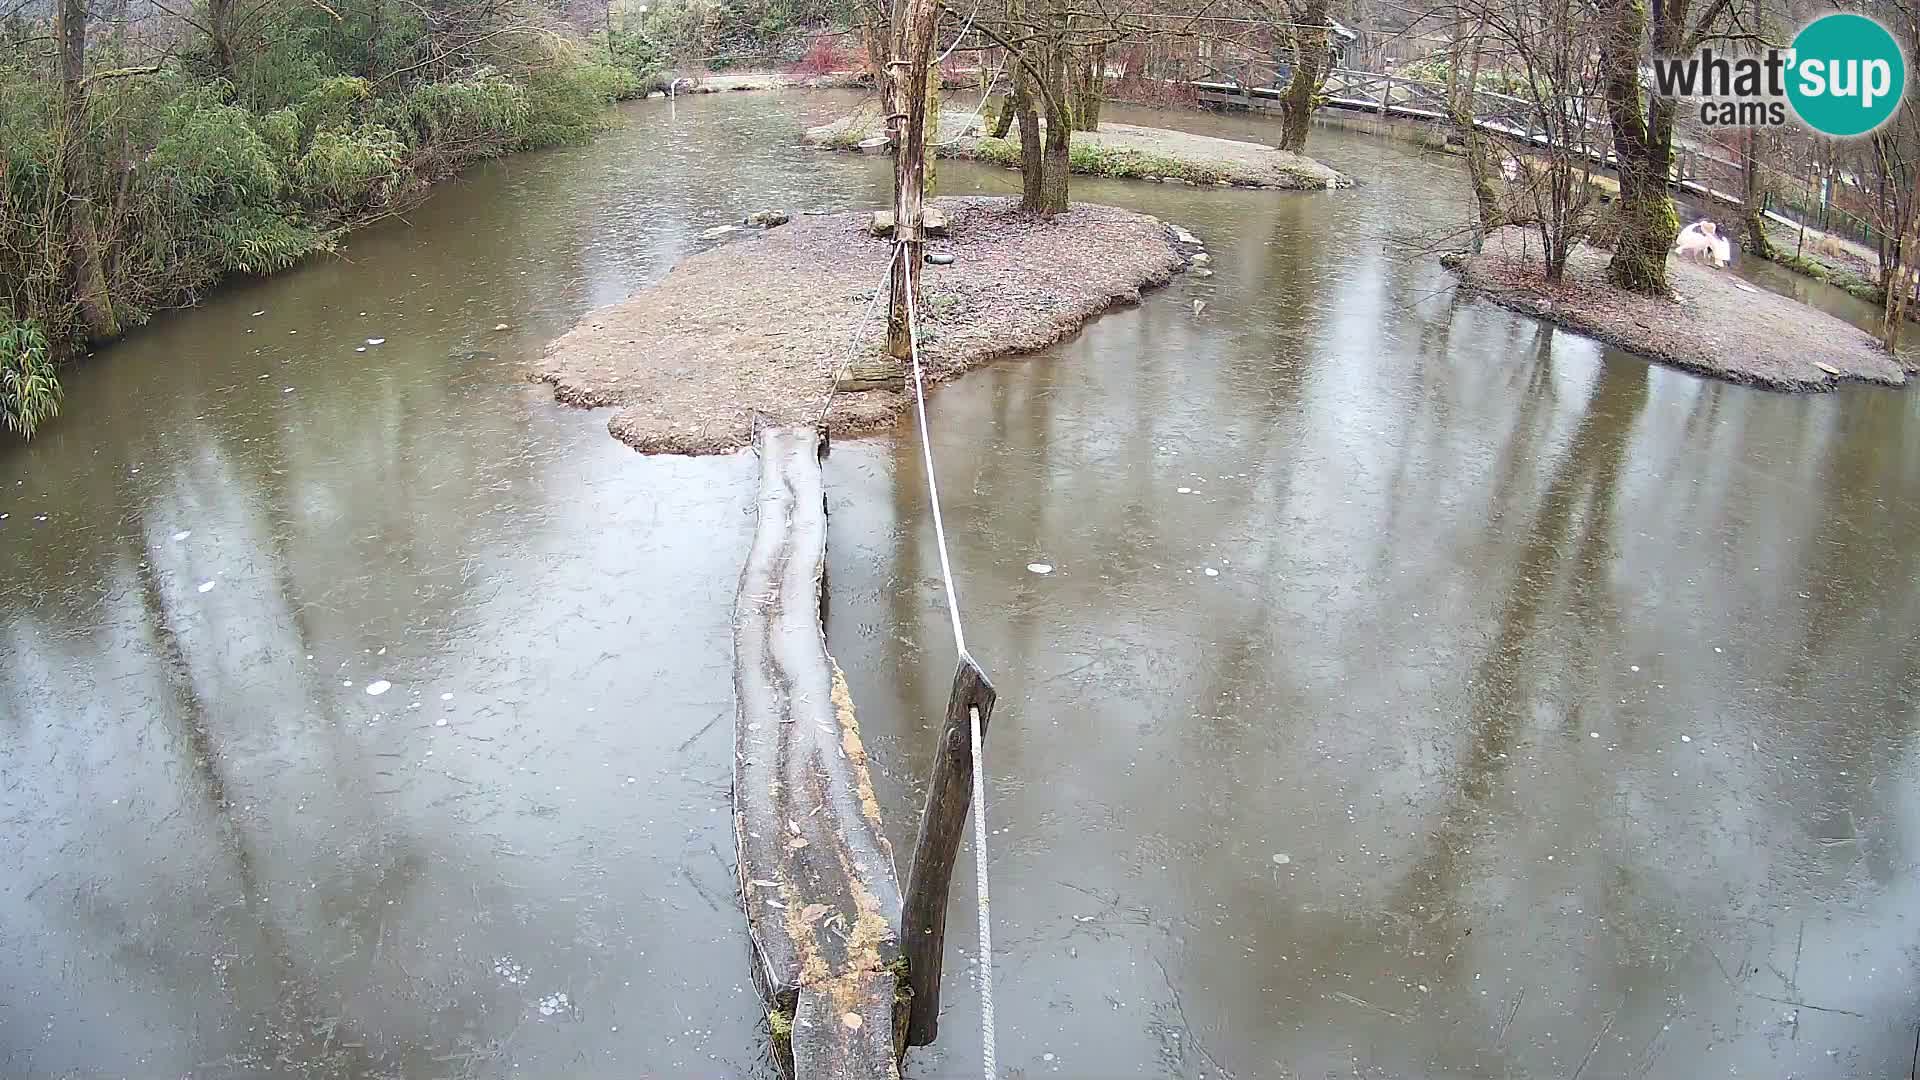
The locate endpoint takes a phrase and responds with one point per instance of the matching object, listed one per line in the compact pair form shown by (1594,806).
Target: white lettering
(1878,81)
(1843,78)
(1813,77)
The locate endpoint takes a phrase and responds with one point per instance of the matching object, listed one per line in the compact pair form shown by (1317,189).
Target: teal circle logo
(1849,75)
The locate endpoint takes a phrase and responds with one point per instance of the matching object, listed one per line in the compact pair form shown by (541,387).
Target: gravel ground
(761,324)
(1715,324)
(1125,151)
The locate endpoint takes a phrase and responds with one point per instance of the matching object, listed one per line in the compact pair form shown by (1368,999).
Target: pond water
(1418,691)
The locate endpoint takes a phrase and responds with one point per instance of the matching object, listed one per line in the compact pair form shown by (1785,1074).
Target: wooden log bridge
(816,872)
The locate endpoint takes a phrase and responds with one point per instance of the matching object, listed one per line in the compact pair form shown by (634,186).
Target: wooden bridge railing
(1257,81)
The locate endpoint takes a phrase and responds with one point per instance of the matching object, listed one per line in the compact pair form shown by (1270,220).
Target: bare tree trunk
(1897,280)
(1309,69)
(908,72)
(1480,170)
(1754,200)
(1643,145)
(1089,87)
(77,232)
(220,34)
(876,33)
(1033,164)
(1000,111)
(1059,106)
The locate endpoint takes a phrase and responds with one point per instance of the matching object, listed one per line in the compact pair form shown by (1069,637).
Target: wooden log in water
(816,871)
(949,790)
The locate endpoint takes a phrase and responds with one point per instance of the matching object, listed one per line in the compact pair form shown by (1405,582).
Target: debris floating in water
(552,1004)
(259,313)
(1040,568)
(1593,734)
(378,687)
(182,535)
(1183,491)
(1282,859)
(1211,572)
(1686,738)
(376,341)
(206,586)
(446,697)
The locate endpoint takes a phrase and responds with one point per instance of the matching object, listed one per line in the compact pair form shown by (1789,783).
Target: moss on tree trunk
(1309,69)
(1643,145)
(1089,87)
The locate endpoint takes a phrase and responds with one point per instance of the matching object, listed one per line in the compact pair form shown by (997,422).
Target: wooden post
(907,75)
(923,927)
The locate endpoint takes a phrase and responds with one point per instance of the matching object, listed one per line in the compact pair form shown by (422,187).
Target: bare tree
(1547,186)
(1895,157)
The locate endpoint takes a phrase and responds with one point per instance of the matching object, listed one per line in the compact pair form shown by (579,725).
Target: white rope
(978,110)
(853,345)
(926,446)
(973,711)
(980,886)
(961,36)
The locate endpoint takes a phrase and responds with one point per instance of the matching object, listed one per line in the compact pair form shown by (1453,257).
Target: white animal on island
(1702,242)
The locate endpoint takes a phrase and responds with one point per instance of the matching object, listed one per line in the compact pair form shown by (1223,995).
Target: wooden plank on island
(817,878)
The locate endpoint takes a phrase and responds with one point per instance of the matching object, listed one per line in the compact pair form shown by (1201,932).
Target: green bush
(210,151)
(335,101)
(569,104)
(29,389)
(465,119)
(350,168)
(331,114)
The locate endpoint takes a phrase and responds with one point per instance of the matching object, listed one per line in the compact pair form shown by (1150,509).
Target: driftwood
(949,790)
(816,871)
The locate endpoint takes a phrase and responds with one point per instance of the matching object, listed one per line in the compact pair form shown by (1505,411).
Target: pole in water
(923,923)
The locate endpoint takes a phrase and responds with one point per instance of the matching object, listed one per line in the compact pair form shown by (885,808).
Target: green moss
(1803,264)
(781,1025)
(1092,159)
(1845,280)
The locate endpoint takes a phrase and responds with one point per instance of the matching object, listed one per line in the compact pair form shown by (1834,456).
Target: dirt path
(1715,324)
(762,323)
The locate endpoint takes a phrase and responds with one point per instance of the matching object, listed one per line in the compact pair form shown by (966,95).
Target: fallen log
(816,871)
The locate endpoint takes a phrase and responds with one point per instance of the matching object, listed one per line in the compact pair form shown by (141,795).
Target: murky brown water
(1547,714)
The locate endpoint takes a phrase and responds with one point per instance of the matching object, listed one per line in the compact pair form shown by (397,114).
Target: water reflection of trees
(1565,552)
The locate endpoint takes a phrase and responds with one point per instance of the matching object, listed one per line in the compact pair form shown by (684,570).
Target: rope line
(979,109)
(980,888)
(853,345)
(926,451)
(983,902)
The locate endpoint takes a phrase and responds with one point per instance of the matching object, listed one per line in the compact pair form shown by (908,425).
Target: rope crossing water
(960,646)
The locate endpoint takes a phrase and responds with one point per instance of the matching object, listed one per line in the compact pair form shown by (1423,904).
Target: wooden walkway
(1258,85)
(816,871)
